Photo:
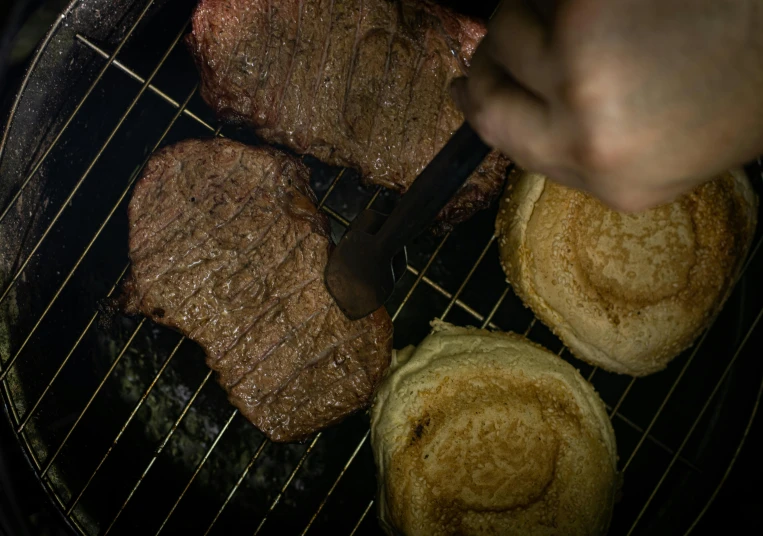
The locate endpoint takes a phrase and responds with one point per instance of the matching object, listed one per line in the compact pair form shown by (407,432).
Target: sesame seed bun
(475,432)
(626,292)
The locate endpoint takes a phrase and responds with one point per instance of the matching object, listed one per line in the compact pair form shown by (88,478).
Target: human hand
(635,101)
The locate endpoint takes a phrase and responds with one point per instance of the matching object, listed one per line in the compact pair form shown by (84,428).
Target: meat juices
(358,83)
(227,247)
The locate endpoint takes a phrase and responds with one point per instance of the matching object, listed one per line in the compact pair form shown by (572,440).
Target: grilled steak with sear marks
(227,246)
(359,83)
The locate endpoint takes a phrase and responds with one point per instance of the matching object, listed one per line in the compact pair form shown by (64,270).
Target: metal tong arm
(432,190)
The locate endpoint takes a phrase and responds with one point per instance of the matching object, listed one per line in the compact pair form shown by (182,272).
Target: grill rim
(21,442)
(27,449)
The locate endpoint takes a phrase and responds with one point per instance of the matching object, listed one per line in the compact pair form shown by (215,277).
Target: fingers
(504,97)
(517,41)
(528,95)
(504,114)
(629,197)
(509,99)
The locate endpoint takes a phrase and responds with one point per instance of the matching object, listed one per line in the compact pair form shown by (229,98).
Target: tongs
(370,258)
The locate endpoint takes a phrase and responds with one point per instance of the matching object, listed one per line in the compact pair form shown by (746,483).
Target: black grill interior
(124,424)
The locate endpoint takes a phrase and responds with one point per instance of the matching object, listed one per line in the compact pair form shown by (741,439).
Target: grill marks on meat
(359,83)
(228,247)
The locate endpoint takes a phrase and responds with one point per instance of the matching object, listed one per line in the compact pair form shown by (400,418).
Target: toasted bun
(625,292)
(476,432)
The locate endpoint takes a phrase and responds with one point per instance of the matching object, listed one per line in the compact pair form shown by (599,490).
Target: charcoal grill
(121,420)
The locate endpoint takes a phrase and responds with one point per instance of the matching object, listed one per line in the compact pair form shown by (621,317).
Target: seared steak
(227,246)
(359,83)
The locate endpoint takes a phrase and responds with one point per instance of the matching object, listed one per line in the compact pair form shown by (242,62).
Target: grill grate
(456,303)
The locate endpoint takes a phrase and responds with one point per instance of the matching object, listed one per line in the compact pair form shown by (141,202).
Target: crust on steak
(357,84)
(228,247)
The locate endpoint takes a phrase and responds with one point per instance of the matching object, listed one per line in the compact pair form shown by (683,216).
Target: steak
(358,83)
(227,247)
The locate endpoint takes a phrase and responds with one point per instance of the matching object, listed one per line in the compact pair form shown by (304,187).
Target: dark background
(25,508)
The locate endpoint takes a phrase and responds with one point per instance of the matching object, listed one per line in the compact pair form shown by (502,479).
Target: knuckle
(627,199)
(581,97)
(591,80)
(598,151)
(596,116)
(622,203)
(529,155)
(486,121)
(589,83)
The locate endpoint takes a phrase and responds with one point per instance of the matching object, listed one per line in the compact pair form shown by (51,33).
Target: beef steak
(359,83)
(227,246)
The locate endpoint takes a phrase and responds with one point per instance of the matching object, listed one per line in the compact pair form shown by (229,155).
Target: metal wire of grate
(455,301)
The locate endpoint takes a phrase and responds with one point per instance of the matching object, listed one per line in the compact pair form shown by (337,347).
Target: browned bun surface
(476,433)
(626,292)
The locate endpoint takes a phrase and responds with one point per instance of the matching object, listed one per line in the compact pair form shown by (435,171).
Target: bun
(476,432)
(626,292)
